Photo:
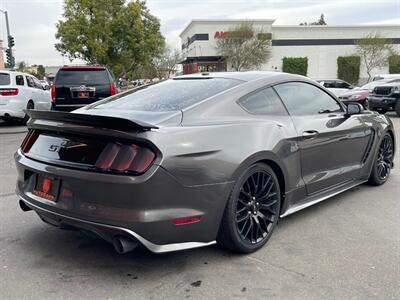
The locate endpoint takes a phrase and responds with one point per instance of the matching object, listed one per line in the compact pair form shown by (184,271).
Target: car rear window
(5,79)
(169,95)
(82,77)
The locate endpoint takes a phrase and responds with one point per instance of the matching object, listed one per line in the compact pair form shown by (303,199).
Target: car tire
(381,111)
(252,211)
(397,107)
(29,106)
(383,161)
(366,105)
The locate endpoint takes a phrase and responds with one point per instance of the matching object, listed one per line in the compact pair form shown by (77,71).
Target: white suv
(19,91)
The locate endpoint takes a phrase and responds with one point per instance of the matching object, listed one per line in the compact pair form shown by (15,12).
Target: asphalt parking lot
(347,247)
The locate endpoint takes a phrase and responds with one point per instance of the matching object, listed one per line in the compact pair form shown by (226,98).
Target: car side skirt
(321,197)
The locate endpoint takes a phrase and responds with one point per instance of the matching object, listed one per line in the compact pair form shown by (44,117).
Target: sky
(32,22)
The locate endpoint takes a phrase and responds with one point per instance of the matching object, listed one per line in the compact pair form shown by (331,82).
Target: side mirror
(350,87)
(354,109)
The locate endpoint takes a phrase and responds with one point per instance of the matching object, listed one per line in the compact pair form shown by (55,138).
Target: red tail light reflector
(125,158)
(184,221)
(9,92)
(53,92)
(28,141)
(113,89)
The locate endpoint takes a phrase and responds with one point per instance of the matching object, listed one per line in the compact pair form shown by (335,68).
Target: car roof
(244,76)
(82,67)
(15,73)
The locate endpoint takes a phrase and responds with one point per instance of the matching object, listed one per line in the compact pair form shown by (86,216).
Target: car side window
(342,85)
(19,80)
(306,99)
(30,81)
(264,102)
(38,85)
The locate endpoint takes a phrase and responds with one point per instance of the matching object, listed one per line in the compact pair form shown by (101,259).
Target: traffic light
(10,58)
(11,41)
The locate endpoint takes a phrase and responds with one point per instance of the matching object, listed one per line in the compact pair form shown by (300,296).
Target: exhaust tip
(23,206)
(124,245)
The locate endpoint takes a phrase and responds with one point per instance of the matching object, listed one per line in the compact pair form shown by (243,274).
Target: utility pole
(11,43)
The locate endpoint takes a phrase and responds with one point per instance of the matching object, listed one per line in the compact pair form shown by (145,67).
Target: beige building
(321,44)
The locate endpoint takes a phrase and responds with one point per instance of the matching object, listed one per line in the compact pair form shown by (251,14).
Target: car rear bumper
(12,109)
(141,207)
(386,103)
(66,107)
(107,232)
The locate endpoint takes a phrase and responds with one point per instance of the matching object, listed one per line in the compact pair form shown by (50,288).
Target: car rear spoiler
(89,120)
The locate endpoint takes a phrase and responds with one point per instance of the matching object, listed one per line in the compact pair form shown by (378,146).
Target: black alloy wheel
(256,207)
(252,211)
(383,162)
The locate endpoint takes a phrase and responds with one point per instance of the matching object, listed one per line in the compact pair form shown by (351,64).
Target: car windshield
(82,77)
(370,86)
(169,95)
(4,79)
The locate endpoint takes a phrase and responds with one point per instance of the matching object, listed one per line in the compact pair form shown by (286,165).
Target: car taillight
(29,140)
(9,92)
(113,89)
(125,158)
(53,92)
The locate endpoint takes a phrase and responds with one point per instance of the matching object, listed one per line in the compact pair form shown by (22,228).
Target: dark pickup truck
(385,97)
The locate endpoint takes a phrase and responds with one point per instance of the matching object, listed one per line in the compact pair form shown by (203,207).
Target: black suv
(385,97)
(77,86)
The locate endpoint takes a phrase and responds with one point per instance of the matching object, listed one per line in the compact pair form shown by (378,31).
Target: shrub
(295,65)
(348,68)
(394,64)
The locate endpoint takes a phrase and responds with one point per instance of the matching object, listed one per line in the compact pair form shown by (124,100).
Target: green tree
(40,71)
(118,34)
(166,64)
(374,51)
(348,68)
(22,66)
(245,48)
(295,65)
(394,64)
(321,21)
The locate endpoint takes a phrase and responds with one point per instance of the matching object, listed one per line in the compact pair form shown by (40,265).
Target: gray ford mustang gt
(199,159)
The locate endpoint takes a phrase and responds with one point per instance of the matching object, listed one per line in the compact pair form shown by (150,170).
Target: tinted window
(168,95)
(265,102)
(306,99)
(19,80)
(82,77)
(4,79)
(30,81)
(342,85)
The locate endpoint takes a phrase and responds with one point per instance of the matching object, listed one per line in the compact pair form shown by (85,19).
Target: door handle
(309,134)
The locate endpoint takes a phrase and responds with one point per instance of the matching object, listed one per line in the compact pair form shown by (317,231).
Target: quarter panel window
(30,81)
(306,99)
(265,102)
(19,80)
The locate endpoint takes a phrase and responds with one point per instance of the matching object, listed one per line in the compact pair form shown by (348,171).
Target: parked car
(45,84)
(385,76)
(77,86)
(361,94)
(20,91)
(199,158)
(336,86)
(386,97)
